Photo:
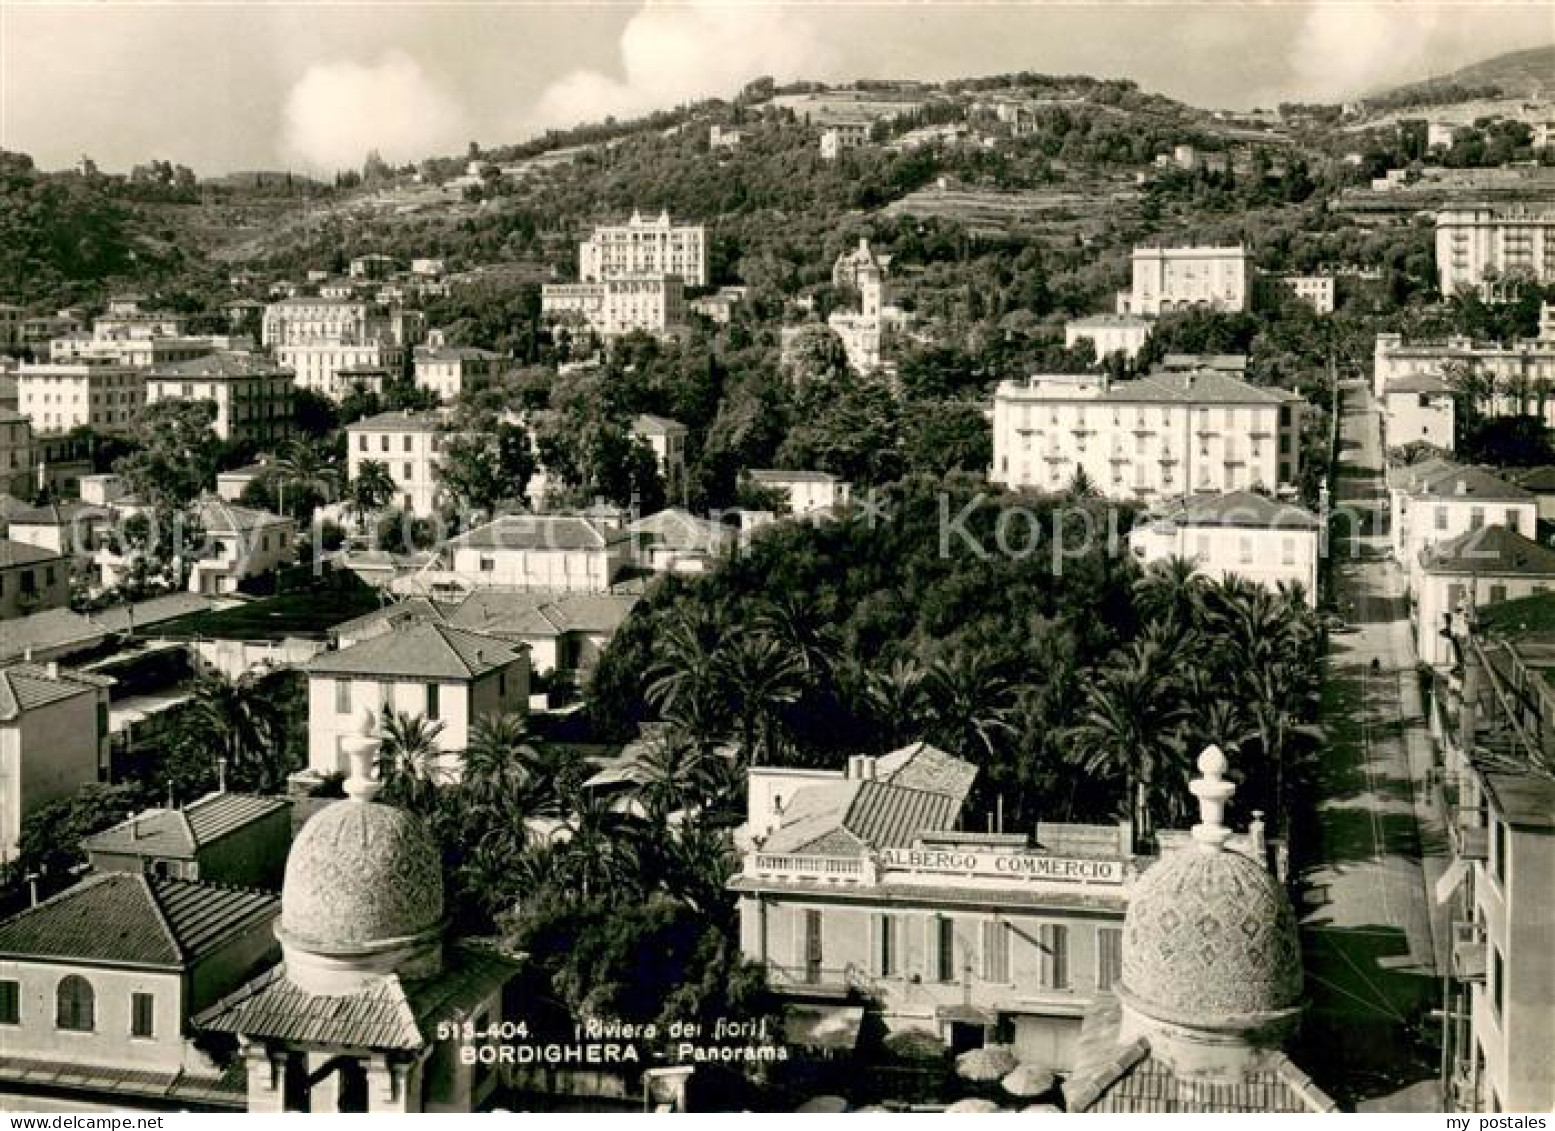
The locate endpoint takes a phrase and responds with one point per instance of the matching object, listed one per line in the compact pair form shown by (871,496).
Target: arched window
(77,1005)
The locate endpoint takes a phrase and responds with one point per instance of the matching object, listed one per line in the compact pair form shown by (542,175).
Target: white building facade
(1160,436)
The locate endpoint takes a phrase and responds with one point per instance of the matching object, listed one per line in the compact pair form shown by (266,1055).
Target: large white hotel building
(1477,244)
(645,247)
(1160,436)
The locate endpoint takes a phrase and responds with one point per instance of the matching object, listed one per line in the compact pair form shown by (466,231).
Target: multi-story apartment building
(139,352)
(1521,376)
(1109,334)
(53,740)
(1160,436)
(1481,244)
(299,321)
(1240,534)
(1488,566)
(1315,290)
(1168,279)
(253,396)
(450,371)
(839,134)
(645,247)
(15,454)
(333,368)
(58,398)
(1439,503)
(435,671)
(1495,727)
(407,443)
(650,303)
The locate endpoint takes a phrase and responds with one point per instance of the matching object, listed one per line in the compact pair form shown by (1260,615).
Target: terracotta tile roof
(185,1087)
(676,529)
(182,832)
(409,610)
(60,514)
(1126,1077)
(538,532)
(24,687)
(1470,483)
(1411,476)
(1195,387)
(394,1015)
(141,614)
(922,766)
(125,918)
(1417,383)
(46,631)
(14,554)
(420,651)
(218,516)
(781,475)
(853,815)
(228,364)
(1492,551)
(397,422)
(454,353)
(1239,508)
(649,425)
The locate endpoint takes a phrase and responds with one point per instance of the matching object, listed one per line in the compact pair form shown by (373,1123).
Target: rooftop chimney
(52,669)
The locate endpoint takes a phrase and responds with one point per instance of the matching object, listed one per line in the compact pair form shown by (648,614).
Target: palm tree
(306,469)
(797,625)
(683,678)
(675,775)
(1170,590)
(760,677)
(410,759)
(500,748)
(896,700)
(370,489)
(971,704)
(1128,731)
(599,848)
(244,725)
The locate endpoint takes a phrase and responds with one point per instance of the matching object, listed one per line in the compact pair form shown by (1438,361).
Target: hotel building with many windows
(859,888)
(1161,436)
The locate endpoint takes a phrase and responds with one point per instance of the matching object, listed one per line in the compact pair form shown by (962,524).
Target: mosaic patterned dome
(1210,937)
(360,874)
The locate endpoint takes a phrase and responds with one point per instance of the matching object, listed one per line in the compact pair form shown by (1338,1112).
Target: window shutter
(877,926)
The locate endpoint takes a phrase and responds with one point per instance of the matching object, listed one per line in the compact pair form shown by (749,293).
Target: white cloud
(677,53)
(339,110)
(1346,50)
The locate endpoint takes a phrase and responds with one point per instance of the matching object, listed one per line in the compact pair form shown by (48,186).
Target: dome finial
(362,750)
(1213,791)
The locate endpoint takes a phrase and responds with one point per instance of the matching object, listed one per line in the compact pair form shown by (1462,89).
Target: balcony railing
(823,869)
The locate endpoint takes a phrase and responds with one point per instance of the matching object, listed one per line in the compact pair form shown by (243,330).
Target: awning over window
(1451,879)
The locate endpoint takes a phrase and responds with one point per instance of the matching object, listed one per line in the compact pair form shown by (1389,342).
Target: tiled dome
(1210,938)
(360,874)
(361,877)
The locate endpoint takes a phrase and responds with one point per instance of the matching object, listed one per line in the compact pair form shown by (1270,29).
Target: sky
(313,85)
